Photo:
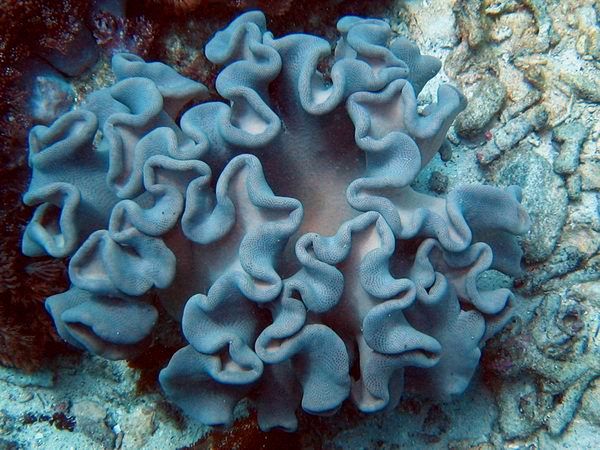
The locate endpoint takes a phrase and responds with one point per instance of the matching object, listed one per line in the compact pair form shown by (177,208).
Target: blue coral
(275,225)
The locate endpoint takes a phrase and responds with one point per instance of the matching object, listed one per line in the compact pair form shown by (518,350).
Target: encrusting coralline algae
(279,226)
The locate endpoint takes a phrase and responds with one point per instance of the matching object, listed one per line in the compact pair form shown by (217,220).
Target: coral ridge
(270,224)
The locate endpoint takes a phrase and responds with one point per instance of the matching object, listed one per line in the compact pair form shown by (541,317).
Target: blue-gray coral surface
(278,225)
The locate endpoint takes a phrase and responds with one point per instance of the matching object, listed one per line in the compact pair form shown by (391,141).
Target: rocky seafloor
(531,72)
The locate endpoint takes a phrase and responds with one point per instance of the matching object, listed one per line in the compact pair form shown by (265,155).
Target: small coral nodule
(273,225)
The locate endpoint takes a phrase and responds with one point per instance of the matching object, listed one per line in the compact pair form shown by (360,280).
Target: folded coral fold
(274,224)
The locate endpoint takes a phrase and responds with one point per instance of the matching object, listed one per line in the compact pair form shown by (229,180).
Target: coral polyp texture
(279,226)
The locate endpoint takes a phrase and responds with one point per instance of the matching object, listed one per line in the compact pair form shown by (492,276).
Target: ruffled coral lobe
(269,224)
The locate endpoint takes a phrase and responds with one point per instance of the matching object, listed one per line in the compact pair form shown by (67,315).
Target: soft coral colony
(278,226)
